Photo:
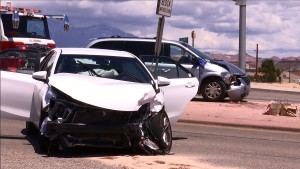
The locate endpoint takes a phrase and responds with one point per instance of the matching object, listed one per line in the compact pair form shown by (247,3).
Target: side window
(180,55)
(166,67)
(139,47)
(47,63)
(20,61)
(113,45)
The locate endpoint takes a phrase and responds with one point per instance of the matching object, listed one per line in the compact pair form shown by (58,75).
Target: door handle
(165,70)
(189,85)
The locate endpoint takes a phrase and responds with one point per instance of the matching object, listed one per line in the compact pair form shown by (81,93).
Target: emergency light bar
(10,8)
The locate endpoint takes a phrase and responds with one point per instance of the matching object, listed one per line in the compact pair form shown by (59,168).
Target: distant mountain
(78,37)
(231,58)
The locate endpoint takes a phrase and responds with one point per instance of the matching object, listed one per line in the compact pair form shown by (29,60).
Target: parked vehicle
(16,60)
(218,79)
(97,97)
(23,28)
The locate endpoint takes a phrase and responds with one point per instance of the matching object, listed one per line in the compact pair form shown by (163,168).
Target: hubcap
(213,90)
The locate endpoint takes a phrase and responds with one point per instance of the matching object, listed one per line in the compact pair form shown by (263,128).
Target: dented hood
(103,92)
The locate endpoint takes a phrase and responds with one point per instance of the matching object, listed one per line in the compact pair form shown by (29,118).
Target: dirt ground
(155,162)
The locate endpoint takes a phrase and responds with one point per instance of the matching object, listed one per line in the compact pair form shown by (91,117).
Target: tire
(44,143)
(161,129)
(31,129)
(213,90)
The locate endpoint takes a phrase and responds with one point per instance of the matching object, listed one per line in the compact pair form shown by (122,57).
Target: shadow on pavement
(85,151)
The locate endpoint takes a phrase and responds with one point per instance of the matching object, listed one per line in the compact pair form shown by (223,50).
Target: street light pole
(256,70)
(242,33)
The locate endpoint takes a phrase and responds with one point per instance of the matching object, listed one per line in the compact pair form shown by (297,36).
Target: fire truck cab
(22,28)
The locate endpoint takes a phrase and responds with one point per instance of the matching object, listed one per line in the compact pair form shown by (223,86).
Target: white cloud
(273,24)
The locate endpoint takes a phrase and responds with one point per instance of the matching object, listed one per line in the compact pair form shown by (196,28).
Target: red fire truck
(24,28)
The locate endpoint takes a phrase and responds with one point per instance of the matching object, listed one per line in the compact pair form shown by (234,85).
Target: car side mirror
(40,76)
(162,81)
(66,23)
(15,20)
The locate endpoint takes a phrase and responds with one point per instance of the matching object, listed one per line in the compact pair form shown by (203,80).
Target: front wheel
(213,90)
(44,143)
(31,129)
(161,128)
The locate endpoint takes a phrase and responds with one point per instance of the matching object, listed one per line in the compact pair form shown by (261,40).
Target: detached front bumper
(238,92)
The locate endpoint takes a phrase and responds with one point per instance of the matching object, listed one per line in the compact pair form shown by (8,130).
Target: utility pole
(256,70)
(242,33)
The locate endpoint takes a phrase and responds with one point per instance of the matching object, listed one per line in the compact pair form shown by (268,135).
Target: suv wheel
(213,90)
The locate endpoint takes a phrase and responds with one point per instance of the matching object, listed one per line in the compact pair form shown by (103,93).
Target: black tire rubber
(44,143)
(213,90)
(161,128)
(31,129)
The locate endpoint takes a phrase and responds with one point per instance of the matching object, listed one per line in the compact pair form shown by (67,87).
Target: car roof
(90,51)
(141,39)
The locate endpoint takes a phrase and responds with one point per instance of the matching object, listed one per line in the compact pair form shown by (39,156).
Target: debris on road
(282,108)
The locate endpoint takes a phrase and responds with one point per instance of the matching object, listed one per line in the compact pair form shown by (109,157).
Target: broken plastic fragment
(156,100)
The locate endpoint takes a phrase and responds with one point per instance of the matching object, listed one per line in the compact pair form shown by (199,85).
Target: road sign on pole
(185,39)
(164,7)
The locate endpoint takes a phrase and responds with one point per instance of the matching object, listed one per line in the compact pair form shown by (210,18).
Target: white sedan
(98,97)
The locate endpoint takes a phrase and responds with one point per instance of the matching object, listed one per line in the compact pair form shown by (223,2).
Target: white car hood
(107,93)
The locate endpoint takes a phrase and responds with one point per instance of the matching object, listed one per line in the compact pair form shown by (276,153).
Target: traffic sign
(164,7)
(185,39)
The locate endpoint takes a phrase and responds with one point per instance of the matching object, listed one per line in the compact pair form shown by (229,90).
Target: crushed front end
(239,88)
(236,80)
(72,123)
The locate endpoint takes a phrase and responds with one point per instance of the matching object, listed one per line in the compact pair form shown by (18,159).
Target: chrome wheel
(213,90)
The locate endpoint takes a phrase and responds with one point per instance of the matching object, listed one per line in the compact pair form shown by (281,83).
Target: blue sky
(272,24)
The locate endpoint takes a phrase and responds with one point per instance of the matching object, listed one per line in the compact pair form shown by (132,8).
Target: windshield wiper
(88,68)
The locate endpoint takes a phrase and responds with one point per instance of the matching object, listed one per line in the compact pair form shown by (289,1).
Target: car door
(183,85)
(17,84)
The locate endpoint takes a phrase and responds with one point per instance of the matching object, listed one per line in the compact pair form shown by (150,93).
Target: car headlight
(227,77)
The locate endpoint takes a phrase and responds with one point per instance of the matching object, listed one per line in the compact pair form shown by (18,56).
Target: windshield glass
(29,27)
(197,52)
(120,68)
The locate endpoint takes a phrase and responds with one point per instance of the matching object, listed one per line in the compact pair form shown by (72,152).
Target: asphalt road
(215,146)
(267,95)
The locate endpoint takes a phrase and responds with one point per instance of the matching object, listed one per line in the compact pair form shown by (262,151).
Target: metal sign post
(164,8)
(160,29)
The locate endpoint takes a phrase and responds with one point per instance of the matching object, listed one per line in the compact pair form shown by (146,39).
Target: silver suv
(218,79)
